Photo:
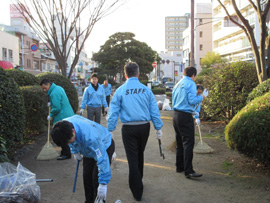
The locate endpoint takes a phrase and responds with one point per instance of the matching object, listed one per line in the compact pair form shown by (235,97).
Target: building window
(200,61)
(201,33)
(4,54)
(10,55)
(28,63)
(35,64)
(201,21)
(28,43)
(201,47)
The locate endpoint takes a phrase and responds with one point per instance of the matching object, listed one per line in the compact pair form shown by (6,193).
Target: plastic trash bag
(18,184)
(160,105)
(166,105)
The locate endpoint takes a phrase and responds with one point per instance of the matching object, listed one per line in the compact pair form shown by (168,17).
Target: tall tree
(64,24)
(262,49)
(210,59)
(121,48)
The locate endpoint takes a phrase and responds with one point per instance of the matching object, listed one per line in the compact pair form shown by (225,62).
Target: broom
(48,152)
(202,147)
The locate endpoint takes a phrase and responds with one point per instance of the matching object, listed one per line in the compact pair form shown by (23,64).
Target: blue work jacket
(60,105)
(108,89)
(94,98)
(184,95)
(92,141)
(134,102)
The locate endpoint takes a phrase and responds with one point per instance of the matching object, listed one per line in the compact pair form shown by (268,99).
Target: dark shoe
(193,175)
(63,157)
(138,199)
(179,170)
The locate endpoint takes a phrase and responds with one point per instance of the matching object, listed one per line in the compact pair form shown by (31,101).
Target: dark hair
(94,75)
(131,69)
(45,82)
(190,71)
(200,87)
(62,132)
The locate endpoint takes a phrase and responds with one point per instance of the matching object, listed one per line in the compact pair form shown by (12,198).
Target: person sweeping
(60,109)
(92,143)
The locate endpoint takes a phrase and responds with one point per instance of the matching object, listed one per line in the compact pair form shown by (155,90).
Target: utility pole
(192,34)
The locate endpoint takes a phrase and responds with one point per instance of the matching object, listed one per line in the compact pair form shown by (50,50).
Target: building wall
(10,43)
(174,27)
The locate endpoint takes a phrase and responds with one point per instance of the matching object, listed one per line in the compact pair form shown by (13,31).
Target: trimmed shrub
(260,90)
(159,90)
(12,112)
(22,78)
(35,102)
(144,82)
(229,86)
(64,82)
(249,130)
(3,151)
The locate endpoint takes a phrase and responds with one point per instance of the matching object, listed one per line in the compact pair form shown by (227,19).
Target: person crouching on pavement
(137,106)
(92,143)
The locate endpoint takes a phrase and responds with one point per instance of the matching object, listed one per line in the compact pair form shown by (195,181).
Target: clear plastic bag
(18,184)
(166,105)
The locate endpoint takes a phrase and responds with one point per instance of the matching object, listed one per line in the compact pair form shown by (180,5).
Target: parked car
(155,83)
(169,86)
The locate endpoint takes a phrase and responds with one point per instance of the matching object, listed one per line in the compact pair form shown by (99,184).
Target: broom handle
(48,140)
(199,128)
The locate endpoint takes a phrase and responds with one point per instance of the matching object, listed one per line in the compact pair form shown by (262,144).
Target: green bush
(205,72)
(22,78)
(3,151)
(64,83)
(168,94)
(249,130)
(144,82)
(159,90)
(35,102)
(12,112)
(260,90)
(229,86)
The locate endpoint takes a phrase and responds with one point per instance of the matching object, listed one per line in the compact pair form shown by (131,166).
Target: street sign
(34,47)
(154,64)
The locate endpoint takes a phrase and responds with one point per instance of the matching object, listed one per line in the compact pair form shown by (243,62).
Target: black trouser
(108,102)
(90,175)
(135,139)
(184,129)
(65,150)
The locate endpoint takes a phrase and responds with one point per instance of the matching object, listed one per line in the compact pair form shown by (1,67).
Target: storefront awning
(6,65)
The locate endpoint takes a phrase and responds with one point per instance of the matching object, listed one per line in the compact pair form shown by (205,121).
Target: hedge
(260,90)
(22,78)
(65,83)
(159,90)
(249,130)
(35,102)
(12,112)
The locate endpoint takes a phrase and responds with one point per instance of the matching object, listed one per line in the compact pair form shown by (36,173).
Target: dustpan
(202,147)
(48,151)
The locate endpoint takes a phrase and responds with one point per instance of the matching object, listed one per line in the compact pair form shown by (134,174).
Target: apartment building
(9,47)
(229,40)
(174,27)
(202,35)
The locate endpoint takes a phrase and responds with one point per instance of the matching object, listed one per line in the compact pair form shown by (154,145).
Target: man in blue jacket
(93,143)
(185,99)
(94,97)
(108,91)
(61,109)
(137,106)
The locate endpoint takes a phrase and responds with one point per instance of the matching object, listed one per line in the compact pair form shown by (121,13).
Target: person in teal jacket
(60,109)
(94,97)
(137,106)
(93,143)
(108,91)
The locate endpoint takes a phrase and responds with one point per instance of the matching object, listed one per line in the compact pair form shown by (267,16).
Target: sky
(144,18)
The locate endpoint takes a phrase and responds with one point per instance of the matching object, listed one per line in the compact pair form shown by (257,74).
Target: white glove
(78,157)
(49,104)
(198,121)
(205,93)
(49,118)
(106,109)
(159,134)
(102,192)
(81,111)
(114,156)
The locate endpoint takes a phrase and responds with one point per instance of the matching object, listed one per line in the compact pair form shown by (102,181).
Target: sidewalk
(223,179)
